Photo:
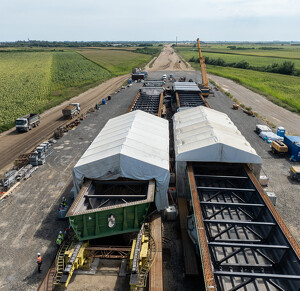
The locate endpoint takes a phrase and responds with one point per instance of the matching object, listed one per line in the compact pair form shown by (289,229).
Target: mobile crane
(204,87)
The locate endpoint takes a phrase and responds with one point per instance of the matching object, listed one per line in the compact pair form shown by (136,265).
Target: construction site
(163,185)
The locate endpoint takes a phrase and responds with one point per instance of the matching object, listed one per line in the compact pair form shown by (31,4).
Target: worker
(96,106)
(63,202)
(58,242)
(61,235)
(103,101)
(39,262)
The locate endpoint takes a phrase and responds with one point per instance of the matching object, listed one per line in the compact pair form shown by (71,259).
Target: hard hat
(64,197)
(60,231)
(38,254)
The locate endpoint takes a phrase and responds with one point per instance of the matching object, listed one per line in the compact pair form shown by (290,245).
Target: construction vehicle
(27,122)
(295,172)
(278,147)
(71,110)
(204,86)
(141,258)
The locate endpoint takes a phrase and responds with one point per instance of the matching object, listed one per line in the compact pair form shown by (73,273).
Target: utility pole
(176,40)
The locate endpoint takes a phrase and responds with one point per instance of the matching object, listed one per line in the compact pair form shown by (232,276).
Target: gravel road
(265,108)
(168,60)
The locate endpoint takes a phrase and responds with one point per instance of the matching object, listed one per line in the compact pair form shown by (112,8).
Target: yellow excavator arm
(203,72)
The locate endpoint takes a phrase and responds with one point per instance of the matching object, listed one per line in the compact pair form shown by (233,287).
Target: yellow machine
(295,172)
(278,147)
(204,88)
(71,256)
(142,256)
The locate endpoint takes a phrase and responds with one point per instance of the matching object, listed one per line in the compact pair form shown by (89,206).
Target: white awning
(186,86)
(134,145)
(205,135)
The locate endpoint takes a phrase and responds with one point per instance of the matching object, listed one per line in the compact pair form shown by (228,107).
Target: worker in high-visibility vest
(61,235)
(63,202)
(58,242)
(39,262)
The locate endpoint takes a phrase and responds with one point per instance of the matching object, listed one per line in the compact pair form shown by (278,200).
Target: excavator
(204,87)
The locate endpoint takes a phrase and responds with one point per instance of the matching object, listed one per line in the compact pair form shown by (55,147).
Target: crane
(204,87)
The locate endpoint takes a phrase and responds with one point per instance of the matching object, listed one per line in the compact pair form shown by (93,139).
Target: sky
(158,20)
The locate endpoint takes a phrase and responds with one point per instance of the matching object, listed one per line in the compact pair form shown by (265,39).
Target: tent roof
(135,146)
(185,86)
(137,134)
(204,134)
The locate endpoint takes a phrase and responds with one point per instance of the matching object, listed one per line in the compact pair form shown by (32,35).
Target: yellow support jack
(142,256)
(69,259)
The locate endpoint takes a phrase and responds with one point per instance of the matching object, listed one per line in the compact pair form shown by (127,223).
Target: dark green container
(113,217)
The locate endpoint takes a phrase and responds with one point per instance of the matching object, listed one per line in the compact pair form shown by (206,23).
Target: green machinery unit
(106,208)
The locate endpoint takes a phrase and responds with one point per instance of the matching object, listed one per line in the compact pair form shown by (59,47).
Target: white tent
(206,135)
(202,134)
(186,86)
(134,145)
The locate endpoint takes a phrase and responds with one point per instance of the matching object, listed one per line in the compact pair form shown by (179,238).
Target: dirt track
(13,144)
(168,60)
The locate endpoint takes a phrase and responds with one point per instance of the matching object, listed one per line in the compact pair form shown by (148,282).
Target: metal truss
(248,249)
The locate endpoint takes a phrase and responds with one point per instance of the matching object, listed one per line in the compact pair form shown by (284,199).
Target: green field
(280,51)
(283,90)
(72,70)
(117,61)
(25,84)
(255,58)
(38,80)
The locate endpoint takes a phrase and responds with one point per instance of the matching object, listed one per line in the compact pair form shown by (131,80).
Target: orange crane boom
(205,87)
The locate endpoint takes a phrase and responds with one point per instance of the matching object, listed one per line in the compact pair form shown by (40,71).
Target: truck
(71,110)
(27,122)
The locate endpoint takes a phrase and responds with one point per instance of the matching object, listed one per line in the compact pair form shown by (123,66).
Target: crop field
(256,59)
(283,90)
(25,84)
(280,51)
(35,81)
(117,61)
(72,70)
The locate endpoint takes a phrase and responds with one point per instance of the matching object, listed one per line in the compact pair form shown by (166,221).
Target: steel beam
(113,182)
(221,177)
(257,275)
(239,265)
(245,245)
(239,240)
(229,204)
(226,189)
(239,222)
(114,196)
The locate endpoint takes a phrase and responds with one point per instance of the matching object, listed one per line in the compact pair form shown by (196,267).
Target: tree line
(285,68)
